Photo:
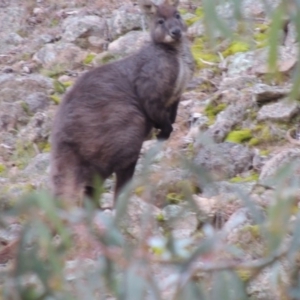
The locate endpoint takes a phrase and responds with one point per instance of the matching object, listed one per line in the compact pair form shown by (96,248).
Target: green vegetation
(56,99)
(202,53)
(212,109)
(239,136)
(89,58)
(59,87)
(235,47)
(239,179)
(174,198)
(2,169)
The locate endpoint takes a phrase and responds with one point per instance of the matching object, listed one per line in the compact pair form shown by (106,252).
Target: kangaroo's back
(105,117)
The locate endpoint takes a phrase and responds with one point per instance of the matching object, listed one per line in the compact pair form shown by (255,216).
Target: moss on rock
(239,136)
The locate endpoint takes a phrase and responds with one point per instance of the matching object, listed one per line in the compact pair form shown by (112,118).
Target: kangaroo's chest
(184,75)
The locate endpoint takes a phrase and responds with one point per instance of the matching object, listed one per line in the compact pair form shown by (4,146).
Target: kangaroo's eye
(177,16)
(161,21)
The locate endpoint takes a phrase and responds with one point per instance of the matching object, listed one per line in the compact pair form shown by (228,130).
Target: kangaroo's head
(166,25)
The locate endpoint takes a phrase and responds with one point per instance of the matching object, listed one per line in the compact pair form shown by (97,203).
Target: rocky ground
(234,121)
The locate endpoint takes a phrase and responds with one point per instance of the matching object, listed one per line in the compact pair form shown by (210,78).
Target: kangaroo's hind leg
(123,177)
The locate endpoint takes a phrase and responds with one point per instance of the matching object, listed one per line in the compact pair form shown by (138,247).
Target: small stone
(182,222)
(280,111)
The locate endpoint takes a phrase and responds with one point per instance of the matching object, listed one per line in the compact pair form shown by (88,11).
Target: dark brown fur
(103,120)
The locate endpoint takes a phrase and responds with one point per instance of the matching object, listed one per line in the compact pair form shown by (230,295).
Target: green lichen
(26,108)
(2,169)
(56,99)
(67,84)
(253,229)
(199,12)
(44,146)
(261,39)
(264,152)
(202,54)
(139,191)
(182,11)
(160,217)
(55,71)
(190,151)
(244,275)
(261,135)
(174,198)
(89,58)
(211,110)
(59,87)
(191,21)
(253,141)
(239,136)
(239,179)
(235,47)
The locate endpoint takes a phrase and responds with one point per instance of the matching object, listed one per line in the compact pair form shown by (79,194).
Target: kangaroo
(105,117)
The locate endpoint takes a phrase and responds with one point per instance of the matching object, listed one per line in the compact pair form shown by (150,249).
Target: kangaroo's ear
(148,7)
(175,3)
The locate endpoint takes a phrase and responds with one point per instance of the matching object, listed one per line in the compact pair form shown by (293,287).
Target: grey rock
(65,55)
(75,27)
(264,92)
(278,161)
(11,20)
(14,87)
(255,62)
(227,189)
(139,211)
(128,43)
(197,29)
(279,111)
(238,218)
(38,165)
(183,223)
(10,233)
(107,201)
(238,82)
(97,42)
(14,39)
(224,160)
(37,102)
(123,20)
(239,102)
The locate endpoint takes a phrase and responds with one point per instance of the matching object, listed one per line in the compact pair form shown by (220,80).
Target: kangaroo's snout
(176,33)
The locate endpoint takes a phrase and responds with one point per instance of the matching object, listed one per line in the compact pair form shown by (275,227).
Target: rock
(196,30)
(137,211)
(284,111)
(224,160)
(123,20)
(255,62)
(207,206)
(227,190)
(79,268)
(183,223)
(241,230)
(64,55)
(107,201)
(11,19)
(38,165)
(13,87)
(37,130)
(278,161)
(265,93)
(128,43)
(239,103)
(97,43)
(75,27)
(238,82)
(37,102)
(10,233)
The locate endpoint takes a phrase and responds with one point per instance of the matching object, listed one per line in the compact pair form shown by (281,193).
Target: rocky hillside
(234,123)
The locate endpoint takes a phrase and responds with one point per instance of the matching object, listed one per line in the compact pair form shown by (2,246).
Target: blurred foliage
(46,260)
